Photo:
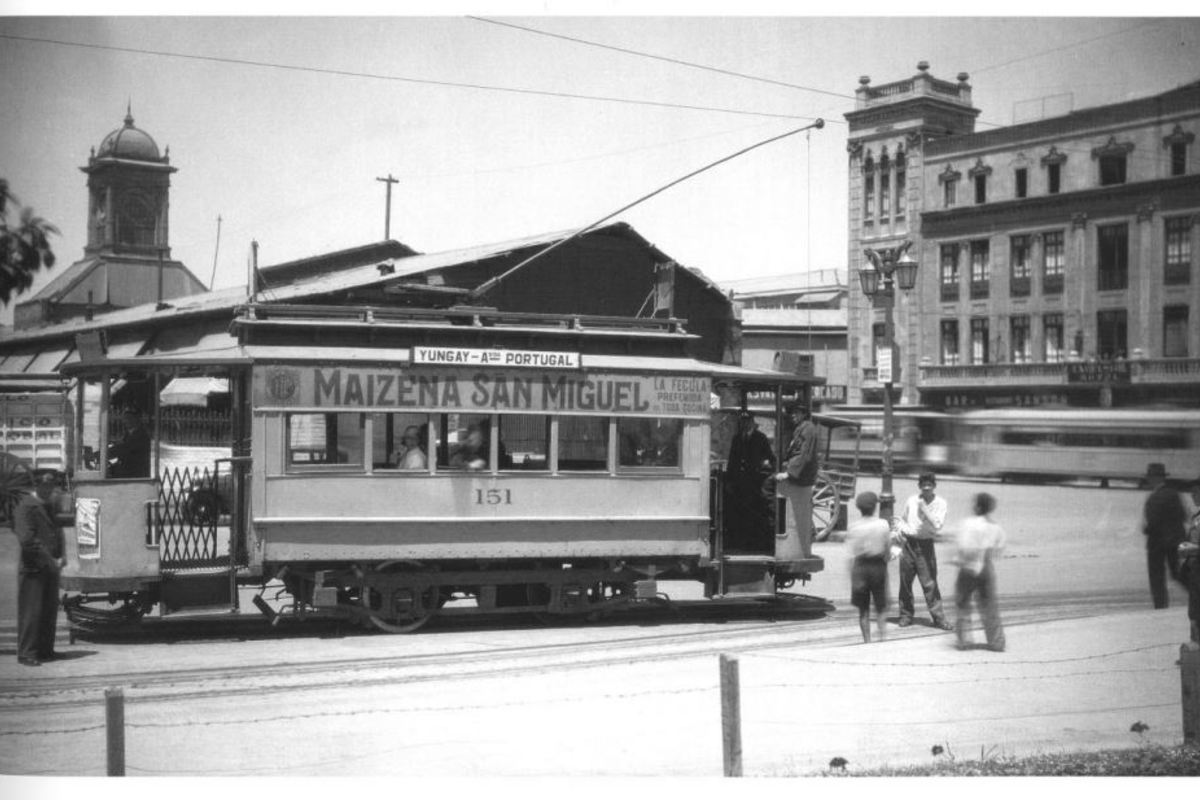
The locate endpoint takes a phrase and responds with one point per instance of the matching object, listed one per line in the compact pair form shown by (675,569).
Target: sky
(483,124)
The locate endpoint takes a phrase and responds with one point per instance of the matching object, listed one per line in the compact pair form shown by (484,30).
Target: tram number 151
(493,497)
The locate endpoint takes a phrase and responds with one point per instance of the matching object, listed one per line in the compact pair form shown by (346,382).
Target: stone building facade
(1057,257)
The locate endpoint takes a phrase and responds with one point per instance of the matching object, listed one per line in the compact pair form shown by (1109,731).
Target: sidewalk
(1061,686)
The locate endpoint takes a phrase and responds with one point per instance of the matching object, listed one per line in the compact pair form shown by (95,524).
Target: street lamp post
(891,267)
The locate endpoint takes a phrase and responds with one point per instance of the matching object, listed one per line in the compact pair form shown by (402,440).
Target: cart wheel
(825,503)
(15,475)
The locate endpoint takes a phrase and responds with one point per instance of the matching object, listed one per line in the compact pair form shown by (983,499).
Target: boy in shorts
(869,540)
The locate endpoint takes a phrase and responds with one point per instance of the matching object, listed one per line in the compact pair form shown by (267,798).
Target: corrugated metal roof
(349,279)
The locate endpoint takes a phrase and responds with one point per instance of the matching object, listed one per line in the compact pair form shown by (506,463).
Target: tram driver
(130,457)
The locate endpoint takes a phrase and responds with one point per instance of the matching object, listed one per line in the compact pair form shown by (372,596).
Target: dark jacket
(40,536)
(801,456)
(1164,515)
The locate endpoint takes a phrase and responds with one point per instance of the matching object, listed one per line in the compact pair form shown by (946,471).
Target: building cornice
(1165,194)
(1077,123)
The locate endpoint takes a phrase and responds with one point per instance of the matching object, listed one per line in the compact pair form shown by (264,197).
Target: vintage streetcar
(390,465)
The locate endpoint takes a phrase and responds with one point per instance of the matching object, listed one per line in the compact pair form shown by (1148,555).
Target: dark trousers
(918,560)
(37,613)
(1158,554)
(982,588)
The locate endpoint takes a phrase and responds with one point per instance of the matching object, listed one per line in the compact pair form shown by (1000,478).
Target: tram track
(834,629)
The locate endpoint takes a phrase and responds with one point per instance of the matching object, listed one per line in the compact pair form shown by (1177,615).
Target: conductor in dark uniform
(41,541)
(749,512)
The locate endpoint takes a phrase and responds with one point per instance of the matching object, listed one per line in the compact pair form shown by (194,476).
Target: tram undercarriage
(401,596)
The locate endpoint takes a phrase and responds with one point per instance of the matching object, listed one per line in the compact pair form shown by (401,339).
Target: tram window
(89,440)
(649,442)
(525,441)
(400,441)
(321,440)
(467,444)
(582,444)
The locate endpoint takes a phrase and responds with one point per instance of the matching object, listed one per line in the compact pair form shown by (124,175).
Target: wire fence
(848,700)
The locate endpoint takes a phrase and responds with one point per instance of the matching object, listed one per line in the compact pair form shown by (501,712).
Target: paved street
(639,695)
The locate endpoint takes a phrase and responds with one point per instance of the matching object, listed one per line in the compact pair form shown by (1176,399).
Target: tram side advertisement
(452,389)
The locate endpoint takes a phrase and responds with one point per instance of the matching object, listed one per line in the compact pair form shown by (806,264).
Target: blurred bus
(1070,443)
(921,439)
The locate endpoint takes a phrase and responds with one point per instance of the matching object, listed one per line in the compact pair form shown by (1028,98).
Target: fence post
(1189,676)
(731,717)
(114,718)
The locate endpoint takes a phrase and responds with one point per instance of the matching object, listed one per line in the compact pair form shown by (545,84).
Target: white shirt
(913,524)
(870,537)
(979,538)
(413,459)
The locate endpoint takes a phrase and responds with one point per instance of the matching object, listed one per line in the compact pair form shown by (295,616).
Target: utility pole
(387,215)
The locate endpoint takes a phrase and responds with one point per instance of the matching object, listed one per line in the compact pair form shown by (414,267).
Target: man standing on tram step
(922,520)
(1164,529)
(41,541)
(796,484)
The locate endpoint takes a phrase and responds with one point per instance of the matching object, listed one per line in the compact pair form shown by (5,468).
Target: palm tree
(24,247)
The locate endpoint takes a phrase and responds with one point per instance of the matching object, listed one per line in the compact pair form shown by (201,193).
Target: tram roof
(235,355)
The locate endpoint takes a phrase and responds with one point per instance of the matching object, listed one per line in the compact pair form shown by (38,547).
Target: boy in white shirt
(980,542)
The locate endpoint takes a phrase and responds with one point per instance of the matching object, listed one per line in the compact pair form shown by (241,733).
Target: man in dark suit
(130,457)
(1164,529)
(41,542)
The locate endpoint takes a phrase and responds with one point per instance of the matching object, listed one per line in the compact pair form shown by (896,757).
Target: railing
(1052,284)
(1019,287)
(1165,370)
(1141,370)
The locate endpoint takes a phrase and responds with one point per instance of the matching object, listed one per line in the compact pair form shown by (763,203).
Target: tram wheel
(422,607)
(824,506)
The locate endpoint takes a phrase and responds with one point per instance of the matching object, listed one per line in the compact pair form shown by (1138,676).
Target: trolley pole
(114,725)
(731,717)
(879,283)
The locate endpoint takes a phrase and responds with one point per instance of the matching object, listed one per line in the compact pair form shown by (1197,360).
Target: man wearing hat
(796,482)
(41,560)
(1164,530)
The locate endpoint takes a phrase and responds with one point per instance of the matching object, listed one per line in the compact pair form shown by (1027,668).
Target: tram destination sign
(426,387)
(479,357)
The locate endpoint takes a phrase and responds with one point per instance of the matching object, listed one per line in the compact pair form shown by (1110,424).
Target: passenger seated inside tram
(411,454)
(472,453)
(130,456)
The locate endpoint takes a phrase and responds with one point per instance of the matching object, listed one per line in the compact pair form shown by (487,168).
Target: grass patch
(1148,760)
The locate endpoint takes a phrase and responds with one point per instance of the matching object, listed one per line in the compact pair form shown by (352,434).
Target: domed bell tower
(128,195)
(127,259)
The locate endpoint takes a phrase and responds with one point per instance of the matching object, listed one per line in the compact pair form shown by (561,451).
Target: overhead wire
(398,78)
(667,59)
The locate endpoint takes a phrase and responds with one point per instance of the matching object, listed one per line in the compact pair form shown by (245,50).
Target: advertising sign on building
(477,357)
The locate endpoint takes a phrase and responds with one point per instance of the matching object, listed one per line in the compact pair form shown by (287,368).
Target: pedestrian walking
(980,542)
(1163,526)
(869,540)
(919,525)
(796,483)
(41,560)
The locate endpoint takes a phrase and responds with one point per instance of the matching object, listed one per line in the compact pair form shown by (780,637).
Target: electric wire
(666,59)
(399,78)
